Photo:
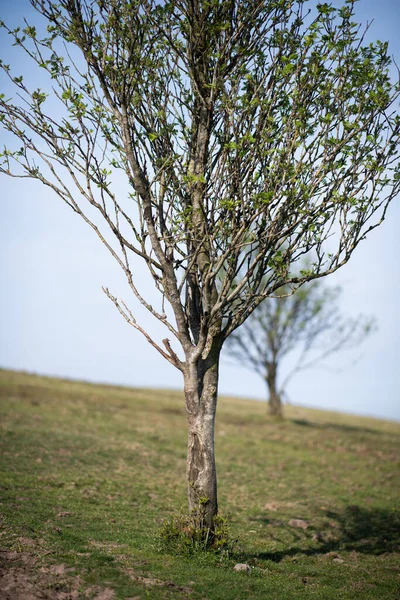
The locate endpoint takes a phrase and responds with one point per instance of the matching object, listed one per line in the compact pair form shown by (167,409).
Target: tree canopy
(308,325)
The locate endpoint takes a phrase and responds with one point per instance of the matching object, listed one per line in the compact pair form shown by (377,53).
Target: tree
(249,134)
(308,321)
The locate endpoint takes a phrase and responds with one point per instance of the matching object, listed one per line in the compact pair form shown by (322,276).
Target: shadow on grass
(339,426)
(367,531)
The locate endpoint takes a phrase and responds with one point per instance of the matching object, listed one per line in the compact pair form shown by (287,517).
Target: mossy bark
(201,389)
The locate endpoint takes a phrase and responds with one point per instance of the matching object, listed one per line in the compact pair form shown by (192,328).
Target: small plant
(187,533)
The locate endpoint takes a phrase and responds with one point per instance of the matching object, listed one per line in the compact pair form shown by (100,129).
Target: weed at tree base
(187,533)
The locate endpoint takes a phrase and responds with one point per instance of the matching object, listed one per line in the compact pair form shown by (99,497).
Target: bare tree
(241,127)
(308,322)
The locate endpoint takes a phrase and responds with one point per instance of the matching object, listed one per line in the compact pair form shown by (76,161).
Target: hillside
(88,473)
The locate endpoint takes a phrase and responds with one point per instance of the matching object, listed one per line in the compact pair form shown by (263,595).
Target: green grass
(88,472)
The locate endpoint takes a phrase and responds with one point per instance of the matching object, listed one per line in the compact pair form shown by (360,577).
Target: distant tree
(308,322)
(239,127)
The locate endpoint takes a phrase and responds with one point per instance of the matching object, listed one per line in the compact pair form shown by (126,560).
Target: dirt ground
(21,578)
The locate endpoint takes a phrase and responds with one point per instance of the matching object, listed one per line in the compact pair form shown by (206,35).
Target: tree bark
(274,401)
(201,389)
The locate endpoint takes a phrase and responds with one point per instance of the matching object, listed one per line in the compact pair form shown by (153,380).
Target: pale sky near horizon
(55,320)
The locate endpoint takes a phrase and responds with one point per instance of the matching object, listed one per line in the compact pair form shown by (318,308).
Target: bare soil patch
(21,578)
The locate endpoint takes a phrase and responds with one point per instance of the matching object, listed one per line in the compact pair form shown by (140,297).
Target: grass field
(89,472)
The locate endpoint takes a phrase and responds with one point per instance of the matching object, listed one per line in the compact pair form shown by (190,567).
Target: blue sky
(55,320)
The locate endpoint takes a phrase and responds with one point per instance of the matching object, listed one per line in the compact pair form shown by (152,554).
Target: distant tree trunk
(274,401)
(201,388)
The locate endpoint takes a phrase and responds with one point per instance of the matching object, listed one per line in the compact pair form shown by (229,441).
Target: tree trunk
(201,388)
(274,401)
